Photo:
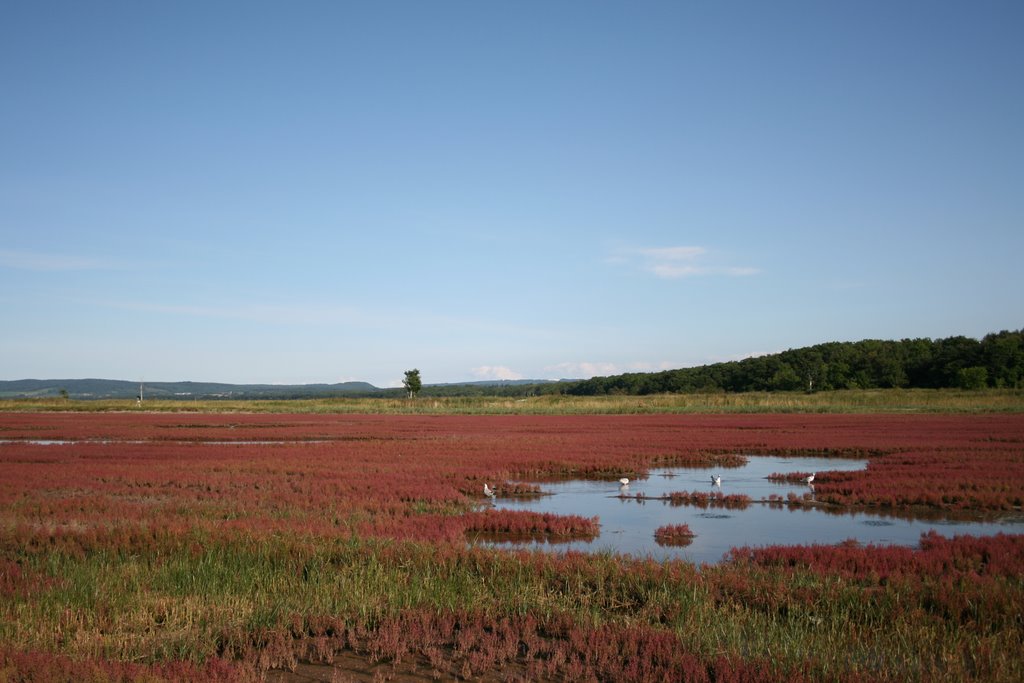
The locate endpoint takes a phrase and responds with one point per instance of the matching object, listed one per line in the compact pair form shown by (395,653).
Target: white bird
(488,491)
(810,478)
(624,481)
(716,480)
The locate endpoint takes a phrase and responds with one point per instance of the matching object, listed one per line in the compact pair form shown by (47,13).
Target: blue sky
(296,192)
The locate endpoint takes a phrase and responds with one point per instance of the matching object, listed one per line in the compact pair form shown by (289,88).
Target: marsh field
(352,540)
(847,401)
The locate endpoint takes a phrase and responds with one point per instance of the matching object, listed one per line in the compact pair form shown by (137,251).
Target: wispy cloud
(672,253)
(48,261)
(495,372)
(645,366)
(586,369)
(670,263)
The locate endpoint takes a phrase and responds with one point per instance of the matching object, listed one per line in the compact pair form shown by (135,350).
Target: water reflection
(630,516)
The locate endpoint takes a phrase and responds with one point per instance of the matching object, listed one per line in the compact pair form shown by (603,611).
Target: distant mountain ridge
(114,388)
(122,389)
(996,360)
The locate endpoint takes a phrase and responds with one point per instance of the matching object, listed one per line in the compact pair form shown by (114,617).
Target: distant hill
(499,383)
(113,388)
(996,360)
(84,389)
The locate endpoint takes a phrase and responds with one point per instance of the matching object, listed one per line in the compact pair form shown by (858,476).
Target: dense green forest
(997,360)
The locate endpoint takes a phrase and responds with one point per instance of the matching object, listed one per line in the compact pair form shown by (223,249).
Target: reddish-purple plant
(712,499)
(674,535)
(532,524)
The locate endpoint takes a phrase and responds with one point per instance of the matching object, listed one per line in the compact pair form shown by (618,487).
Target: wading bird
(623,483)
(810,478)
(488,491)
(716,480)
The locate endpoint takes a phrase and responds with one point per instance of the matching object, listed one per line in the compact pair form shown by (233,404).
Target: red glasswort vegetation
(138,490)
(961,557)
(412,476)
(522,523)
(44,667)
(518,489)
(705,499)
(974,476)
(674,535)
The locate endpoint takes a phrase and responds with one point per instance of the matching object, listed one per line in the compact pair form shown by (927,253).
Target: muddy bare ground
(349,667)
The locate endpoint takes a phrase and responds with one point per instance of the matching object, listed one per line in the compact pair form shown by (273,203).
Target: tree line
(996,361)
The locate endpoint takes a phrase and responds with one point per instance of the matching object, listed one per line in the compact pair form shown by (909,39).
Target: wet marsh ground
(239,546)
(630,515)
(849,401)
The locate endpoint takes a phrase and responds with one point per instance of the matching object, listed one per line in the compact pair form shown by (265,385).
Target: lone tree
(412,382)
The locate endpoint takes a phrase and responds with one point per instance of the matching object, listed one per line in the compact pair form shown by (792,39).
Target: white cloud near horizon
(584,369)
(495,372)
(671,263)
(588,369)
(643,366)
(672,253)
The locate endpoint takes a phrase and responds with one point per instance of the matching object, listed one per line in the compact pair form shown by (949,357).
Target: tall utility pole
(141,393)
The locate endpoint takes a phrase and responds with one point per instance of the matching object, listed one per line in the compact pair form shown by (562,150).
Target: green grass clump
(268,602)
(845,401)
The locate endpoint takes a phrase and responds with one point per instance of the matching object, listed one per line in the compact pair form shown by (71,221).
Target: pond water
(627,525)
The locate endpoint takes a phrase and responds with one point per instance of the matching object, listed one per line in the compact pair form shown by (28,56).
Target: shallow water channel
(628,524)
